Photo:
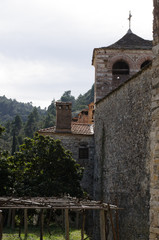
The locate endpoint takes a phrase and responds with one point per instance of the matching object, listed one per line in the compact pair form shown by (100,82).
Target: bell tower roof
(131,41)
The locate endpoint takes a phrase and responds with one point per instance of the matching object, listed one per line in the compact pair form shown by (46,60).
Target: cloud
(40,81)
(46,45)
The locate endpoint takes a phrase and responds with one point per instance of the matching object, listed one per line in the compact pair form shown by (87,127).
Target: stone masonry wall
(122,163)
(156,22)
(154,167)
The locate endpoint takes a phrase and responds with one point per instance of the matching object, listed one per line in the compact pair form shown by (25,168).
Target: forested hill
(10,108)
(23,120)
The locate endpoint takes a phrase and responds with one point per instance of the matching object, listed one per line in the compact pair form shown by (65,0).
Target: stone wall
(73,143)
(122,163)
(154,167)
(156,22)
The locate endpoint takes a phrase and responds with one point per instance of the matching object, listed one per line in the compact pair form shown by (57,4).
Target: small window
(120,68)
(83,153)
(145,63)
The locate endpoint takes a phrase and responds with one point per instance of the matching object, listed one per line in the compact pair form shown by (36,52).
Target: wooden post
(66,224)
(26,223)
(83,225)
(9,218)
(77,220)
(117,220)
(111,219)
(1,225)
(13,218)
(102,225)
(41,224)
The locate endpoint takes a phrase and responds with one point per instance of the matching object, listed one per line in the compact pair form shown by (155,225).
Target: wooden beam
(66,224)
(102,225)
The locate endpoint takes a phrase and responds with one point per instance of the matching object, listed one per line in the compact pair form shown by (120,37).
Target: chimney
(63,117)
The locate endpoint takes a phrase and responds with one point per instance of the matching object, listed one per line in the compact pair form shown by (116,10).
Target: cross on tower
(129,18)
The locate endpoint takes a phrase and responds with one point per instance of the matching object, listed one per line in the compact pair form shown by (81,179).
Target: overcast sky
(46,45)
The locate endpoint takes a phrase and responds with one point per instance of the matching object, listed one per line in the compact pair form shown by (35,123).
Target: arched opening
(145,63)
(120,68)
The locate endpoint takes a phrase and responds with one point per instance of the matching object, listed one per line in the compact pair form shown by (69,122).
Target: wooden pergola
(65,203)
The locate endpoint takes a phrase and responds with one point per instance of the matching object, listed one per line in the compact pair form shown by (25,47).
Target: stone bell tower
(156,23)
(118,62)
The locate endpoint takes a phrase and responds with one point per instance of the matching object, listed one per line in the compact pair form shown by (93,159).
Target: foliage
(42,167)
(4,170)
(83,100)
(67,97)
(51,115)
(32,123)
(16,129)
(1,129)
(10,108)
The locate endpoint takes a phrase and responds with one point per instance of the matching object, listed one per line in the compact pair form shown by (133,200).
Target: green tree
(67,97)
(4,170)
(1,129)
(16,128)
(50,118)
(42,167)
(32,123)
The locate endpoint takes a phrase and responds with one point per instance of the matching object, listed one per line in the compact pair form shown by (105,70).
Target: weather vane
(129,18)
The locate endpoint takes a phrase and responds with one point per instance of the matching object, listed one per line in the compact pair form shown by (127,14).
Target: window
(145,63)
(83,153)
(120,68)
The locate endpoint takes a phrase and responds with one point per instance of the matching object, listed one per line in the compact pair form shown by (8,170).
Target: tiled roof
(76,128)
(131,41)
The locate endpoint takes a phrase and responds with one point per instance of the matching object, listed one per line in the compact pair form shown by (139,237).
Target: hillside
(23,120)
(10,108)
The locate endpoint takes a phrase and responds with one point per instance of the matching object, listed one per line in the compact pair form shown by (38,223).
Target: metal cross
(129,18)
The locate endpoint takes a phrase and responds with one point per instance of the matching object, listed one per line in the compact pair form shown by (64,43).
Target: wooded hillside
(23,120)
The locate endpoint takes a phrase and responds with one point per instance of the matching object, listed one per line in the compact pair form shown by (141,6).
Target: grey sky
(46,45)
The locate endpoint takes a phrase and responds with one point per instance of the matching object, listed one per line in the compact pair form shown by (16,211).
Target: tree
(4,170)
(50,118)
(67,97)
(1,129)
(42,167)
(16,128)
(31,124)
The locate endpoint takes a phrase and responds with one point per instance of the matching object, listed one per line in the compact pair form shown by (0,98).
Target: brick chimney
(156,26)
(63,117)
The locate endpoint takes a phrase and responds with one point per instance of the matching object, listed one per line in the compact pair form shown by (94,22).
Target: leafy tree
(42,167)
(4,170)
(1,129)
(52,108)
(32,123)
(67,97)
(16,128)
(50,118)
(83,100)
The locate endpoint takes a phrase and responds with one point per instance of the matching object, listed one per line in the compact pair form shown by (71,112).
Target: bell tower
(156,27)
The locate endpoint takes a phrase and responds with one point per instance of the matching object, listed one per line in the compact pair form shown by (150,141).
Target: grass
(33,234)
